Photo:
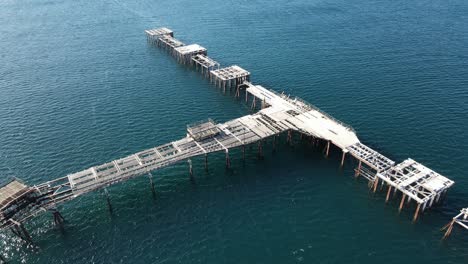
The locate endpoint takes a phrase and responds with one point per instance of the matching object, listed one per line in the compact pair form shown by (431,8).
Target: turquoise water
(80,86)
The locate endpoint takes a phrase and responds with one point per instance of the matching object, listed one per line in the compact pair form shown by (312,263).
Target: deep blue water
(80,86)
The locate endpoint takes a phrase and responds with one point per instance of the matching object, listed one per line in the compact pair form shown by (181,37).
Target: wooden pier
(279,113)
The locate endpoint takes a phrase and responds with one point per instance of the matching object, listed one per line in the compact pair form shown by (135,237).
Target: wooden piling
(289,139)
(190,168)
(274,143)
(376,182)
(328,149)
(343,158)
(449,228)
(108,200)
(260,150)
(402,203)
(25,233)
(228,160)
(358,170)
(153,190)
(388,193)
(58,218)
(416,213)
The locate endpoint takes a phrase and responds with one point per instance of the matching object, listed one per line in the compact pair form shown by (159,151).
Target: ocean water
(80,86)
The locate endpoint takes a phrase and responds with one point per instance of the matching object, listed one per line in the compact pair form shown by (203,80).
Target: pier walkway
(278,113)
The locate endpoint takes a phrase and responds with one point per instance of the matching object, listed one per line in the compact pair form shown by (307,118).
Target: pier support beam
(190,169)
(108,200)
(416,213)
(243,152)
(153,190)
(402,203)
(388,193)
(343,159)
(449,228)
(289,138)
(58,218)
(20,231)
(274,143)
(228,160)
(358,170)
(327,149)
(260,150)
(376,182)
(206,162)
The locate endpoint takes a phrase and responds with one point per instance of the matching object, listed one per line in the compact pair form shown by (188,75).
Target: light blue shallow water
(80,86)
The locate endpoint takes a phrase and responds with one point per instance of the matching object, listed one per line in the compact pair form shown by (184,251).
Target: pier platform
(229,77)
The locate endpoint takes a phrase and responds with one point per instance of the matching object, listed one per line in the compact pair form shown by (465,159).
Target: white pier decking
(184,54)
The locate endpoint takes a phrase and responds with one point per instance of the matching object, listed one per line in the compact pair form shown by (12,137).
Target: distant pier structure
(276,114)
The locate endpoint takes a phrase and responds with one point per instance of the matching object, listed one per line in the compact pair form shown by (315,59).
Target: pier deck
(205,63)
(184,54)
(229,77)
(279,113)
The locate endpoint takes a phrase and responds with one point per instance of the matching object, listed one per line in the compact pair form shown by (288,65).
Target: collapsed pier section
(460,219)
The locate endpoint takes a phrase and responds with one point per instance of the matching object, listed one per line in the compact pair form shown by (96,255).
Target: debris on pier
(460,219)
